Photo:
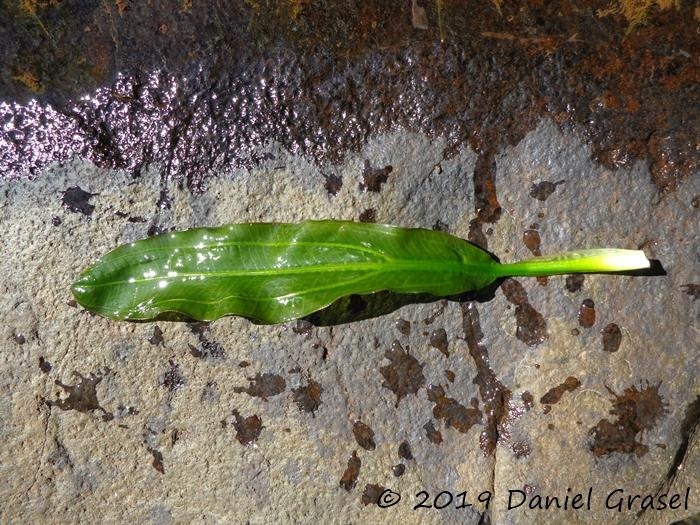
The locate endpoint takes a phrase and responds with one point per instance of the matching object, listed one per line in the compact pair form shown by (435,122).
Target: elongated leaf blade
(276,272)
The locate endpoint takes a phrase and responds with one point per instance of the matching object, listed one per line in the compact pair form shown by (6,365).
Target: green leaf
(278,272)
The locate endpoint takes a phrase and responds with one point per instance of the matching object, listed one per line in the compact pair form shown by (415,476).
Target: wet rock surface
(529,130)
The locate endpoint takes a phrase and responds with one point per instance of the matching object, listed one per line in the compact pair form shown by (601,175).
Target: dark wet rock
(689,428)
(495,396)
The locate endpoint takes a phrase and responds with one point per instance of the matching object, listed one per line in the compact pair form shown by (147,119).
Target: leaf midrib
(453,267)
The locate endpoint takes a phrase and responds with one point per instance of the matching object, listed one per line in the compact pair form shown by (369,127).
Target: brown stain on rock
(528,400)
(82,396)
(636,410)
(404,374)
(157,338)
(247,429)
(543,190)
(574,283)
(303,327)
(434,435)
(308,397)
(370,496)
(403,326)
(405,451)
(44,365)
(333,184)
(494,395)
(554,394)
(368,215)
(693,290)
(372,179)
(157,460)
(438,339)
(451,411)
(531,326)
(586,313)
(532,241)
(364,435)
(612,337)
(172,379)
(208,348)
(263,386)
(349,478)
(521,449)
